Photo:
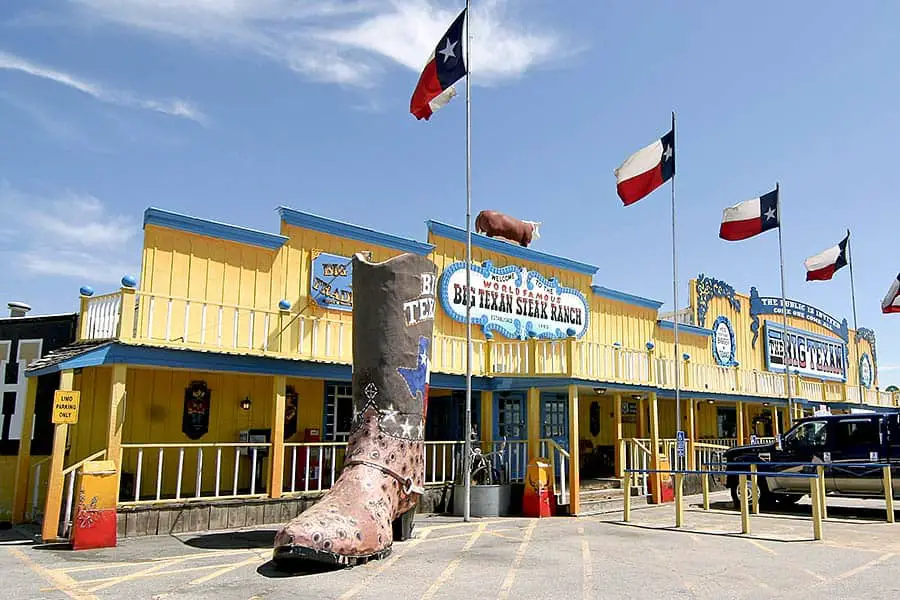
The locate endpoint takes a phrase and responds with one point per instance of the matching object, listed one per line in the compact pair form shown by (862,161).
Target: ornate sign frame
(866,371)
(331,281)
(764,305)
(774,334)
(723,333)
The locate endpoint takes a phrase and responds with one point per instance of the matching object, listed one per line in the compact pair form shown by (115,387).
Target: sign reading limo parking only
(65,407)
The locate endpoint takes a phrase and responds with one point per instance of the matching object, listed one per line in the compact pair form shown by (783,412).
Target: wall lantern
(245,403)
(599,390)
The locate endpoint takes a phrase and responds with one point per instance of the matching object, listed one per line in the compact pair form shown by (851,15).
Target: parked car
(838,441)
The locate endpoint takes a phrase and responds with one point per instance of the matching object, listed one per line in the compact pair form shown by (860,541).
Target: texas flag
(749,218)
(891,302)
(444,68)
(822,267)
(646,169)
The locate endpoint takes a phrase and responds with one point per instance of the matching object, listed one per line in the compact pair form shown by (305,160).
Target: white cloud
(69,235)
(341,41)
(175,107)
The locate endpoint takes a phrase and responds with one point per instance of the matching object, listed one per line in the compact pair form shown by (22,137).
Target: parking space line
(514,567)
(445,575)
(229,568)
(587,584)
(865,567)
(760,546)
(62,582)
(421,536)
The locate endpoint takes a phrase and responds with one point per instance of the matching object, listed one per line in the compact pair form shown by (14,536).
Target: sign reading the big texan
(513,301)
(807,353)
(331,279)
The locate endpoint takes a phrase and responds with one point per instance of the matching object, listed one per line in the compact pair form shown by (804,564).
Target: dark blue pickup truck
(837,441)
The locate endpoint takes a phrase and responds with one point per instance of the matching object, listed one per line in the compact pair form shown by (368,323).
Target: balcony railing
(171,321)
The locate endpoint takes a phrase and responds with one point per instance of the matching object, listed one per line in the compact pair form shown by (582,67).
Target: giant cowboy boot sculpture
(383,474)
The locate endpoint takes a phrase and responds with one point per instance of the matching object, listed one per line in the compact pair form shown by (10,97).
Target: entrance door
(555,418)
(511,424)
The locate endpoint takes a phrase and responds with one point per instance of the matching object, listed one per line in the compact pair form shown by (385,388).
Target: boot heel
(403,525)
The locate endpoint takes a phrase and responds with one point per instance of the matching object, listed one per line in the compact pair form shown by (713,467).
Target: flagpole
(855,325)
(784,338)
(675,300)
(467,446)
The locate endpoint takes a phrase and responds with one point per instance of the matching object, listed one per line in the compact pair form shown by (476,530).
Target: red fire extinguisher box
(95,514)
(313,455)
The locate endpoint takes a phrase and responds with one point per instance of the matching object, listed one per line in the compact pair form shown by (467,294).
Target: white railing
(560,466)
(710,378)
(551,357)
(709,456)
(440,462)
(510,358)
(449,354)
(514,460)
(665,372)
(611,363)
(214,471)
(312,466)
(102,316)
(636,455)
(726,442)
(37,484)
(69,475)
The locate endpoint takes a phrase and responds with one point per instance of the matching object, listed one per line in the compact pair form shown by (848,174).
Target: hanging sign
(865,371)
(807,353)
(65,407)
(761,305)
(331,278)
(195,417)
(513,301)
(723,342)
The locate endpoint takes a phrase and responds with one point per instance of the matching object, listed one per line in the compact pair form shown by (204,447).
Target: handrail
(80,463)
(711,446)
(206,445)
(273,311)
(551,442)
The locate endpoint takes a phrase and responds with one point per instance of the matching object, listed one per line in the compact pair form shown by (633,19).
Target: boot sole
(291,557)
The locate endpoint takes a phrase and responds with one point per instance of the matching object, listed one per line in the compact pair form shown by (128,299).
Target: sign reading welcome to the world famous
(807,354)
(513,301)
(331,278)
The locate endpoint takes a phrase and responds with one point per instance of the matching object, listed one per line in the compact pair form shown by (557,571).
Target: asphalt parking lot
(588,557)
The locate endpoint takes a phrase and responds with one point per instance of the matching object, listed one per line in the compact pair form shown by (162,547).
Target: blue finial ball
(129,281)
(86,290)
(686,356)
(284,305)
(650,345)
(570,332)
(617,345)
(488,335)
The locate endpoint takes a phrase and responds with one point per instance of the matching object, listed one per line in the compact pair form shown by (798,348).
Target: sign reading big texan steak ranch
(808,354)
(513,301)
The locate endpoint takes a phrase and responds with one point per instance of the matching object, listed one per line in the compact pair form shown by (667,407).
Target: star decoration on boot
(389,414)
(407,428)
(420,429)
(416,377)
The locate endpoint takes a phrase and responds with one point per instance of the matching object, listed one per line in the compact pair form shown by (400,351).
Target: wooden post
(654,447)
(284,332)
(23,460)
(487,417)
(276,462)
(814,488)
(570,357)
(50,529)
(691,434)
(533,412)
(679,499)
(754,488)
(117,393)
(126,315)
(620,450)
(627,510)
(642,419)
(745,508)
(888,493)
(574,472)
(820,479)
(705,481)
(739,417)
(82,318)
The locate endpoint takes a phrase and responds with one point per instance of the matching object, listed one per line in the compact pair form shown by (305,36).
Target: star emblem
(390,414)
(667,153)
(370,391)
(420,429)
(407,428)
(770,214)
(447,51)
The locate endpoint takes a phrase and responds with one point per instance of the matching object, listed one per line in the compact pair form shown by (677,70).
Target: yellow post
(888,493)
(533,409)
(284,334)
(814,488)
(820,480)
(82,318)
(776,429)
(691,435)
(126,318)
(740,422)
(276,463)
(531,348)
(574,473)
(641,419)
(754,488)
(488,358)
(705,481)
(745,509)
(679,499)
(570,356)
(50,529)
(654,446)
(620,443)
(116,421)
(23,460)
(627,510)
(487,416)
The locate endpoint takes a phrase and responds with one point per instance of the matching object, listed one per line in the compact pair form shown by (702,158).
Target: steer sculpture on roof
(511,229)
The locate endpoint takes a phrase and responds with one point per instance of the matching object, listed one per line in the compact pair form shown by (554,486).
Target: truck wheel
(789,499)
(766,498)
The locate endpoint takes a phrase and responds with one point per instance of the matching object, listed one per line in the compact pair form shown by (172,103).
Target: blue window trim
(214,229)
(459,235)
(611,294)
(307,220)
(666,324)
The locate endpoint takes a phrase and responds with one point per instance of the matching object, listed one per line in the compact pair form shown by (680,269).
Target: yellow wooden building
(222,373)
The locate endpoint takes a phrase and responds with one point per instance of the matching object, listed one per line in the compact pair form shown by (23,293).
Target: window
(511,421)
(556,407)
(857,432)
(338,412)
(810,434)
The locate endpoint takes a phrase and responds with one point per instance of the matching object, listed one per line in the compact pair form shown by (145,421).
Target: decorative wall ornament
(866,372)
(709,288)
(514,301)
(808,354)
(765,305)
(195,418)
(331,281)
(864,333)
(723,346)
(291,400)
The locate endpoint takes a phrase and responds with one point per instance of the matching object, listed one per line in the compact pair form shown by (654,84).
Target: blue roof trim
(665,324)
(610,294)
(500,247)
(91,358)
(355,232)
(215,229)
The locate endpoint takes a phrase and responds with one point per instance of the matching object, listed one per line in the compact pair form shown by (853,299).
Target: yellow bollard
(627,504)
(679,499)
(745,509)
(705,480)
(814,488)
(754,486)
(820,479)
(888,493)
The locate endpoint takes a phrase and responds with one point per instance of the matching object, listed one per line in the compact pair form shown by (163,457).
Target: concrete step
(596,495)
(601,483)
(601,506)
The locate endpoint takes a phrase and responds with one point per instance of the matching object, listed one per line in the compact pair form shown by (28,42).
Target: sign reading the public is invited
(331,279)
(513,301)
(807,353)
(65,407)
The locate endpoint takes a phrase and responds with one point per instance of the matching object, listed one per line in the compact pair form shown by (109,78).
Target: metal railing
(560,466)
(69,475)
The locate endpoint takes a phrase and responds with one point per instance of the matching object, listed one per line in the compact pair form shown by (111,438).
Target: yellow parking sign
(65,407)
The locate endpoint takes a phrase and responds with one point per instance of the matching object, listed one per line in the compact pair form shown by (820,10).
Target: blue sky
(226,109)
